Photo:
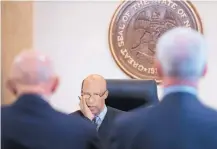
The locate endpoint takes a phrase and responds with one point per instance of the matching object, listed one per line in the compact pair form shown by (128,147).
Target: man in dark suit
(30,122)
(92,104)
(180,120)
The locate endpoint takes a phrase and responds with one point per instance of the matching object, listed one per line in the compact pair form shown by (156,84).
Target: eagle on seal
(148,27)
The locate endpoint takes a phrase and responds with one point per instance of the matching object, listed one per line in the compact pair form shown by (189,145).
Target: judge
(92,105)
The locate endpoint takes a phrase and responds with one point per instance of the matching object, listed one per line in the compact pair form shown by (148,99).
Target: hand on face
(84,109)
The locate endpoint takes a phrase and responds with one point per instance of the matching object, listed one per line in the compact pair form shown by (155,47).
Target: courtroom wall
(75,34)
(16,35)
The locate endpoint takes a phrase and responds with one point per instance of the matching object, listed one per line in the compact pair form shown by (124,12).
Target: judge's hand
(84,109)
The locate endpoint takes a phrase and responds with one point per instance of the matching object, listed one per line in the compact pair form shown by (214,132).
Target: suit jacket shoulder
(135,129)
(78,114)
(129,121)
(37,121)
(114,112)
(110,111)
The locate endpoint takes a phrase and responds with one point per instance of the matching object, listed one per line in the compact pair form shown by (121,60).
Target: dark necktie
(95,120)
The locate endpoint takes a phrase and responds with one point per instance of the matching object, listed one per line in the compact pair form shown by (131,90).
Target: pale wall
(75,34)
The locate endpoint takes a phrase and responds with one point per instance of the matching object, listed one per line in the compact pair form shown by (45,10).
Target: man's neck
(171,85)
(167,82)
(32,91)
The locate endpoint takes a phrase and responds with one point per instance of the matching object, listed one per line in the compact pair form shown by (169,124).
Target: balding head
(96,79)
(95,92)
(181,53)
(32,70)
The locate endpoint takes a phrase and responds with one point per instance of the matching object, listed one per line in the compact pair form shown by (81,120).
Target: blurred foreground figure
(31,123)
(180,120)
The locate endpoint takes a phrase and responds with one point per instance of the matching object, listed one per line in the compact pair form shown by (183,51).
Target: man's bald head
(31,69)
(94,91)
(95,78)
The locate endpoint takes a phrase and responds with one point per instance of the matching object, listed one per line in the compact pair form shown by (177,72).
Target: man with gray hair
(180,120)
(31,122)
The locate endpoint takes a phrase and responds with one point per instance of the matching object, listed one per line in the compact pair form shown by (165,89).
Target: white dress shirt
(99,118)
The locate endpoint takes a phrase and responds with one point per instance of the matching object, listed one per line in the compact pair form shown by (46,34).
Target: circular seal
(135,28)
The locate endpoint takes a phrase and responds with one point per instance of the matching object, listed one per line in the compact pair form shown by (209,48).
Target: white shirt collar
(103,113)
(101,116)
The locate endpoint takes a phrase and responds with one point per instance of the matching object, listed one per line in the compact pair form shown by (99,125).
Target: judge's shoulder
(110,109)
(114,110)
(76,113)
(133,116)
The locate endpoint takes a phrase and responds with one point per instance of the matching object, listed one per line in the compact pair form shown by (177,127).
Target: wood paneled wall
(17,35)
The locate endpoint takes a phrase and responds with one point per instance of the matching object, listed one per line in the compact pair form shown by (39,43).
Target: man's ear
(205,70)
(159,68)
(55,84)
(11,87)
(106,94)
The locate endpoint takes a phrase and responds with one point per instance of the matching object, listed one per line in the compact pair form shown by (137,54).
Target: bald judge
(92,105)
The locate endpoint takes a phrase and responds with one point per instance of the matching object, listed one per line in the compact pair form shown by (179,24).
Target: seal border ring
(111,24)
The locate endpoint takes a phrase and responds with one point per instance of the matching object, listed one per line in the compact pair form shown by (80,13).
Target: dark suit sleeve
(86,134)
(80,115)
(94,141)
(116,137)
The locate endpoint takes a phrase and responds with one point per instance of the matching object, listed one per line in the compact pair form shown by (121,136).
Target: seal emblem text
(136,26)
